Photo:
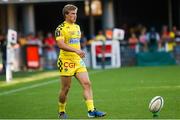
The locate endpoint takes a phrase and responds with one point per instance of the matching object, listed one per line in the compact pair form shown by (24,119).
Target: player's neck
(69,22)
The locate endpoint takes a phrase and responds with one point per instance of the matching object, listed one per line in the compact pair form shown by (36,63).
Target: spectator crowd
(138,38)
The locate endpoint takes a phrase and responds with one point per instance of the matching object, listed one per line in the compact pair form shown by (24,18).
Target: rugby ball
(156,104)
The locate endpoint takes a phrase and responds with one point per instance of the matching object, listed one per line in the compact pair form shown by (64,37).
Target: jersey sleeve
(59,34)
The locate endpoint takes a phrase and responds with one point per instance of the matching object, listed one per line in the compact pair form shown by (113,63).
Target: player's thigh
(83,78)
(65,81)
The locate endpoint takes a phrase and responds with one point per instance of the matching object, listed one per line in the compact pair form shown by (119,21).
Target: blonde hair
(68,8)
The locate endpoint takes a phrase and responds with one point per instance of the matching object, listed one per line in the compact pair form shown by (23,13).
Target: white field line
(27,87)
(35,86)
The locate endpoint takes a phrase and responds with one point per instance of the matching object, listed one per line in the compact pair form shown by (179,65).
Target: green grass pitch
(123,93)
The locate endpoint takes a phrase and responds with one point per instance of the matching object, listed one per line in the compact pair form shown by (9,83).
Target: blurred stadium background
(146,64)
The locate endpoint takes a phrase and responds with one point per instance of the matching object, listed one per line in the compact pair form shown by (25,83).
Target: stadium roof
(32,1)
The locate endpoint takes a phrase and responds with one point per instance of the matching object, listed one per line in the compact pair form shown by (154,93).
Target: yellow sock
(90,105)
(62,107)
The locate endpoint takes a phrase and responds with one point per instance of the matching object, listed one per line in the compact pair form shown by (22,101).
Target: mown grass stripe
(36,85)
(27,87)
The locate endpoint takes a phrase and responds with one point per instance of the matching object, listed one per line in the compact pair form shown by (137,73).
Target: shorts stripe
(59,64)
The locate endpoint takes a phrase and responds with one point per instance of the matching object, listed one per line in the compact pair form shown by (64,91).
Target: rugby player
(70,62)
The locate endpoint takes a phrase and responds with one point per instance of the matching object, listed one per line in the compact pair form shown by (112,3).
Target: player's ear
(65,16)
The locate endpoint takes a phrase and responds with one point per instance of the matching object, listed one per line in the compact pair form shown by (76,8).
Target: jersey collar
(68,23)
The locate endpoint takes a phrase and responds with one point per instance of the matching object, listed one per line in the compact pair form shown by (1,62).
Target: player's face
(71,17)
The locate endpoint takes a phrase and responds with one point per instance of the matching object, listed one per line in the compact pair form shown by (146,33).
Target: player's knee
(87,84)
(66,88)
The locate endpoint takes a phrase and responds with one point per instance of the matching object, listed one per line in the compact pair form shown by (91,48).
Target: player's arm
(65,47)
(61,44)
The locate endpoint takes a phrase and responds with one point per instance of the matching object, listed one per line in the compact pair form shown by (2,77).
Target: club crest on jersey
(65,69)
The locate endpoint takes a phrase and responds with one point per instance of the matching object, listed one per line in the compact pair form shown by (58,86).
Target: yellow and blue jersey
(71,35)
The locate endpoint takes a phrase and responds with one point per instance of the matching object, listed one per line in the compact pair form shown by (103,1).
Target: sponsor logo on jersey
(74,40)
(70,65)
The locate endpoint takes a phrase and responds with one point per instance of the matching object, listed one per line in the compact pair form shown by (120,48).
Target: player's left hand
(81,53)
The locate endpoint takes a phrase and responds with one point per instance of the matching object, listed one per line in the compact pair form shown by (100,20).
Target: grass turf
(122,93)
